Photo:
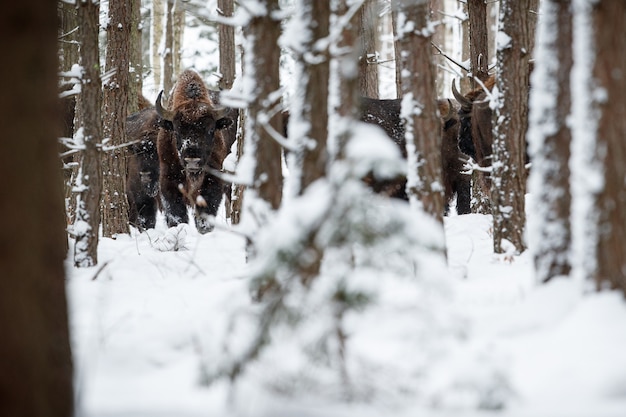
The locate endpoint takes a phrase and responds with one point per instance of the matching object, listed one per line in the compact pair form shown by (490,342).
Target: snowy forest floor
(139,323)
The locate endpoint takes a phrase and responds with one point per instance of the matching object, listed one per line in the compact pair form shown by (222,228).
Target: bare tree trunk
(479,49)
(157,36)
(348,81)
(510,121)
(424,182)
(465,82)
(227,46)
(114,204)
(35,356)
(89,106)
(549,139)
(609,73)
(135,79)
(69,55)
(309,115)
(168,59)
(367,21)
(178,31)
(262,59)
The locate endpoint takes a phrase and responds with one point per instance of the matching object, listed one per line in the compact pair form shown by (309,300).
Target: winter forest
(313,208)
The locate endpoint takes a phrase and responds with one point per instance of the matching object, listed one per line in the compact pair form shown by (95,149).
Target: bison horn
(163,113)
(463,101)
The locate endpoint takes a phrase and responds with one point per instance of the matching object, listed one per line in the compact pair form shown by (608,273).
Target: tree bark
(424,183)
(89,107)
(367,21)
(309,114)
(609,72)
(157,37)
(549,139)
(226,33)
(262,60)
(35,356)
(479,49)
(168,50)
(114,204)
(510,121)
(135,79)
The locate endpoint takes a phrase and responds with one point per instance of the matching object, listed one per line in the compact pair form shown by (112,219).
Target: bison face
(194,126)
(148,165)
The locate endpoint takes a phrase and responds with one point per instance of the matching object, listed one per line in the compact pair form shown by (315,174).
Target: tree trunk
(262,59)
(510,121)
(135,80)
(114,203)
(479,49)
(227,46)
(168,59)
(157,37)
(89,106)
(424,183)
(367,21)
(549,139)
(309,114)
(178,31)
(609,73)
(35,356)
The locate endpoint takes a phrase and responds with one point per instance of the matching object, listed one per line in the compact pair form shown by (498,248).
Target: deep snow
(141,320)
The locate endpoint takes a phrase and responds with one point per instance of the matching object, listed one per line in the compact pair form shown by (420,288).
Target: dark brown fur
(191,151)
(142,168)
(386,114)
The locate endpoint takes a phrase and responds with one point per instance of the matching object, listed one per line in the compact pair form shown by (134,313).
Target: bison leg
(463,195)
(147,210)
(207,206)
(173,204)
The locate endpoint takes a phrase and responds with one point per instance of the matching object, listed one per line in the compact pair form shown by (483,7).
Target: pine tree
(510,121)
(89,178)
(35,356)
(549,139)
(114,204)
(420,112)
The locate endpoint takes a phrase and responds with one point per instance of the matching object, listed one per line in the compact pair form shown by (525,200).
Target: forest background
(349,285)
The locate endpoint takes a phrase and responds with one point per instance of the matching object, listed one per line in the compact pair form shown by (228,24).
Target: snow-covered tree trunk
(419,108)
(308,121)
(367,21)
(510,123)
(599,172)
(549,139)
(89,132)
(114,204)
(36,359)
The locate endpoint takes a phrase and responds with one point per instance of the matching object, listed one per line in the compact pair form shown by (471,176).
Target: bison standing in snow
(191,150)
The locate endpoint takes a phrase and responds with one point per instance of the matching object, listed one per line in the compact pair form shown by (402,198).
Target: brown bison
(475,134)
(142,168)
(191,149)
(386,114)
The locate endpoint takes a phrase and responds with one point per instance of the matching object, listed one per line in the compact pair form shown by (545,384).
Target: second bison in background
(387,115)
(191,149)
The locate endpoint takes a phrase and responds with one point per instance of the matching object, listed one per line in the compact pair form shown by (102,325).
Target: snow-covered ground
(142,320)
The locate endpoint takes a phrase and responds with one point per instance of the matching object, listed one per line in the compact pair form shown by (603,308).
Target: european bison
(386,114)
(190,150)
(475,135)
(142,168)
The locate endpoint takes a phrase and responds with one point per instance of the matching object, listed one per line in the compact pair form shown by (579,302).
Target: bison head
(194,125)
